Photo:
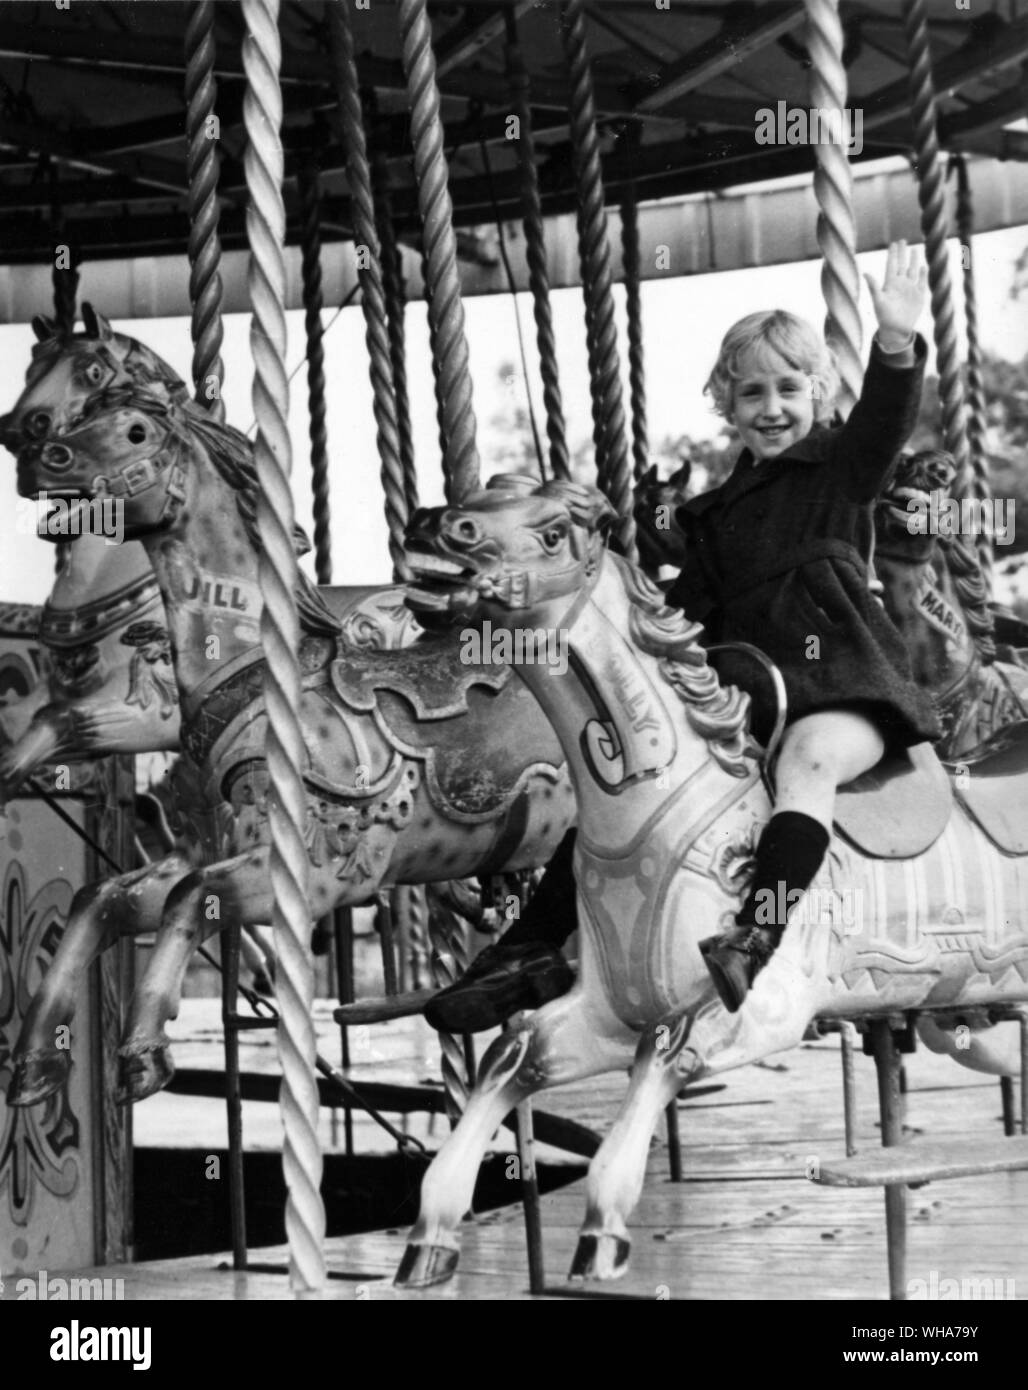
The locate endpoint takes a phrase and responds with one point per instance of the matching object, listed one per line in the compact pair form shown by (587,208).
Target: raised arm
(883,418)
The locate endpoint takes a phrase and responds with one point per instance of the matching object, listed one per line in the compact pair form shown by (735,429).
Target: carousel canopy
(92,124)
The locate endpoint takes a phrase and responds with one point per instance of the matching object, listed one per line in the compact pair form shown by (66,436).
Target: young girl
(777,556)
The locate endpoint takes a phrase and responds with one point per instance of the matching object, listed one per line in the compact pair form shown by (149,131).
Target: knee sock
(551,915)
(789,854)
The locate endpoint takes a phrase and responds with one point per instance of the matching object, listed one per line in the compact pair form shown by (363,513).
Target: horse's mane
(719,713)
(232,455)
(960,556)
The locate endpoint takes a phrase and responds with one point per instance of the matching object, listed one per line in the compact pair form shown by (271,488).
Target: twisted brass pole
(310,272)
(373,304)
(204,249)
(535,252)
(833,189)
(934,224)
(446,311)
(633,303)
(65,278)
(613,471)
(977,420)
(396,311)
(280,638)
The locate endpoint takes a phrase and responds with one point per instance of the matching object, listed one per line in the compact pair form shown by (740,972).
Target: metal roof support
(201,94)
(369,272)
(535,252)
(612,467)
(833,189)
(280,638)
(446,312)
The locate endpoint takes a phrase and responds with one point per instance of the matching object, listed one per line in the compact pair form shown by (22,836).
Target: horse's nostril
(137,434)
(56,456)
(467,530)
(37,425)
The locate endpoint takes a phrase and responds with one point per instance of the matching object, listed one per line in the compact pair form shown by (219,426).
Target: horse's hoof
(37,1076)
(425,1265)
(600,1257)
(143,1073)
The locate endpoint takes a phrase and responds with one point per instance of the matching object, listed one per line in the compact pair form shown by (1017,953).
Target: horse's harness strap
(71,627)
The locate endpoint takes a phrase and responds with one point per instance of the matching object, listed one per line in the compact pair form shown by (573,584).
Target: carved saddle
(478,730)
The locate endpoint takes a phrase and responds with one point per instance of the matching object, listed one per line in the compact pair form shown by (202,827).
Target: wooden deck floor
(745,1223)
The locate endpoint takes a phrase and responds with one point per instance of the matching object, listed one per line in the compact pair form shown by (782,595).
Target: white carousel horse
(671,801)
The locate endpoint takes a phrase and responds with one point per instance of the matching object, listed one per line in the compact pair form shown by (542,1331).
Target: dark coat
(777,555)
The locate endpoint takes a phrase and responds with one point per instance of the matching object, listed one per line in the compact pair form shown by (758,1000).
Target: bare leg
(821,752)
(100,914)
(565,1041)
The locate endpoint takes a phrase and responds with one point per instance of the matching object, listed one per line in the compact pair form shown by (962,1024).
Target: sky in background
(684,322)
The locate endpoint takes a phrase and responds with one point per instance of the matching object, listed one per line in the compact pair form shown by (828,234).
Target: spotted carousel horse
(935,593)
(420,765)
(672,798)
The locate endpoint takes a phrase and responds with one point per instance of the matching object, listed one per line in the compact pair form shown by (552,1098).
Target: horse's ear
(96,325)
(45,329)
(301,542)
(680,478)
(650,476)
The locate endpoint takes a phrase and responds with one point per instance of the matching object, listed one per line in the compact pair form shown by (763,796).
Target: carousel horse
(421,765)
(671,801)
(935,593)
(658,534)
(107,685)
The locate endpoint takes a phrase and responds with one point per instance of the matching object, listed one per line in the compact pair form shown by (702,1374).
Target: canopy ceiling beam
(158,173)
(464,40)
(739,39)
(135,53)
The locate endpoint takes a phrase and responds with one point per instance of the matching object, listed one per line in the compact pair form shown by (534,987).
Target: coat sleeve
(880,423)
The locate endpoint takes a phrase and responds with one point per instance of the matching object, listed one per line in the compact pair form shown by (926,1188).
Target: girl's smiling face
(772,405)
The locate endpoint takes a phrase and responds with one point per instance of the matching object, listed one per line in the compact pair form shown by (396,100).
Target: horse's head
(515,546)
(660,540)
(904,502)
(131,453)
(71,373)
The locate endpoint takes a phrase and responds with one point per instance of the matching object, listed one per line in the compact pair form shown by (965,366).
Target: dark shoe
(499,982)
(736,958)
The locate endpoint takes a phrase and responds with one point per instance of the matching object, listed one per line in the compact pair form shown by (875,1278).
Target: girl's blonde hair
(779,334)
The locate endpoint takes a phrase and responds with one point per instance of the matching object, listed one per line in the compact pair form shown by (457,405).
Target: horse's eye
(37,425)
(553,536)
(137,434)
(94,373)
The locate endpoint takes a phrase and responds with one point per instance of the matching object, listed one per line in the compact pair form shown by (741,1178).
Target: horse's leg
(565,1041)
(618,1169)
(202,904)
(996,1051)
(100,914)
